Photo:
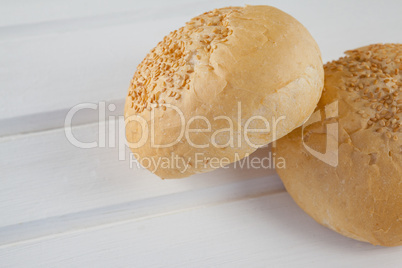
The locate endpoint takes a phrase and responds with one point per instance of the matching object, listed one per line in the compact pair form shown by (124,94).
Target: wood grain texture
(33,12)
(264,231)
(44,175)
(89,55)
(62,206)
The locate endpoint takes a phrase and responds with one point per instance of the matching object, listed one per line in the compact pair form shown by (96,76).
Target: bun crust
(361,197)
(235,62)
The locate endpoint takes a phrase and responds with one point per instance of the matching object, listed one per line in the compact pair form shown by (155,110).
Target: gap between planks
(138,211)
(142,15)
(55,120)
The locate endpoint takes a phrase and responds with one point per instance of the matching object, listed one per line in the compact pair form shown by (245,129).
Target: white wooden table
(61,206)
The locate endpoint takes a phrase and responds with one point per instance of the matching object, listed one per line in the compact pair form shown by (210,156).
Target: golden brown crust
(257,56)
(362,196)
(167,71)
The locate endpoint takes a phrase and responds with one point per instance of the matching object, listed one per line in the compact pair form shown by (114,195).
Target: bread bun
(354,187)
(202,83)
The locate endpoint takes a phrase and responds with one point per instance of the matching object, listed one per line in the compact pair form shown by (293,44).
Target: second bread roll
(345,168)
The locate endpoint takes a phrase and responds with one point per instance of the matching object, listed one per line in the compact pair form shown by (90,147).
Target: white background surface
(61,206)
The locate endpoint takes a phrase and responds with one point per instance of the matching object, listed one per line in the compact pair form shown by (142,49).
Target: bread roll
(354,187)
(197,93)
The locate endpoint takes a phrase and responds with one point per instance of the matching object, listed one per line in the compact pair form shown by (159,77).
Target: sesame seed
(170,57)
(363,70)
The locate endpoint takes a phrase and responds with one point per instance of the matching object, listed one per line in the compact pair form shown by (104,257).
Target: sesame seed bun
(358,192)
(222,68)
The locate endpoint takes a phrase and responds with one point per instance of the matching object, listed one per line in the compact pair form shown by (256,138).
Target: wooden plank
(43,175)
(269,230)
(60,70)
(31,12)
(139,209)
(65,206)
(50,67)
